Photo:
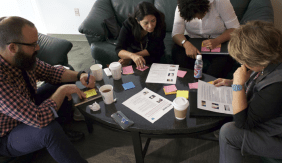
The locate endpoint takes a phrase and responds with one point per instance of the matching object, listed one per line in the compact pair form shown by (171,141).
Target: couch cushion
(259,10)
(167,58)
(123,7)
(240,7)
(168,8)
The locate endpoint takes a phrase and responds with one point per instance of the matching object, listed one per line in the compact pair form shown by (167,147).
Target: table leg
(137,144)
(89,125)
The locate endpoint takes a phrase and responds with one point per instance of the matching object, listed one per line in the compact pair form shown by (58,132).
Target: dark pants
(214,65)
(235,143)
(25,139)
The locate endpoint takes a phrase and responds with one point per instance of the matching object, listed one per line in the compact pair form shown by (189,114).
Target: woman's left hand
(210,43)
(241,75)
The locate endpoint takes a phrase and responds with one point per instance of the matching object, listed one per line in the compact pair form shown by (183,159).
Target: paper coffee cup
(180,107)
(115,68)
(97,71)
(107,93)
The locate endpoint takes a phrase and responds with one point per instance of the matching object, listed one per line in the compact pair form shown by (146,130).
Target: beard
(24,61)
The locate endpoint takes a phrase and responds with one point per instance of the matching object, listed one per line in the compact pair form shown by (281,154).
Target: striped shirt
(16,105)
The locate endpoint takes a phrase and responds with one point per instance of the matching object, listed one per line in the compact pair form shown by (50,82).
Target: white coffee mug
(115,68)
(107,93)
(97,71)
(180,107)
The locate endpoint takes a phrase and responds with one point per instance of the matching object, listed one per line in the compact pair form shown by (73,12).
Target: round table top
(167,124)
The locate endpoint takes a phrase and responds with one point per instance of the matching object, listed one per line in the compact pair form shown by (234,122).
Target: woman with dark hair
(212,19)
(257,87)
(141,36)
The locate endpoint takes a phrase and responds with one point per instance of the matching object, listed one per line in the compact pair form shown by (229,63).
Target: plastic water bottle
(198,68)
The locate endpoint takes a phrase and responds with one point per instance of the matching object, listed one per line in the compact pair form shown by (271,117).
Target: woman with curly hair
(214,19)
(141,36)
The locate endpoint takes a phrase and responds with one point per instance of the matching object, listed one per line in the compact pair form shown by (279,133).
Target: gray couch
(104,53)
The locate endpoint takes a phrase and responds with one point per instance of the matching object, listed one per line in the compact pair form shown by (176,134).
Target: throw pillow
(112,26)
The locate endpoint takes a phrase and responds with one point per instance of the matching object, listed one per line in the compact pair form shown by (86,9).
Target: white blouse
(220,17)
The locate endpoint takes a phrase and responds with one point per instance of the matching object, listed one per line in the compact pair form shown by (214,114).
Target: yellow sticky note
(184,94)
(211,82)
(91,92)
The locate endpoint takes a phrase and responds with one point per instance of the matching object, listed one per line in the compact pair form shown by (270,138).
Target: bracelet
(79,74)
(237,87)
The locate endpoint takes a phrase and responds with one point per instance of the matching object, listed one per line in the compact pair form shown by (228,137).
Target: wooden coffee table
(166,127)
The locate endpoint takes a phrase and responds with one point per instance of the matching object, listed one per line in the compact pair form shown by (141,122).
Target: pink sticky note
(193,85)
(181,73)
(127,70)
(170,88)
(216,50)
(205,49)
(142,69)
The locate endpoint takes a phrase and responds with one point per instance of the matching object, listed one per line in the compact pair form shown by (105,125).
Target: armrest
(92,25)
(258,10)
(53,50)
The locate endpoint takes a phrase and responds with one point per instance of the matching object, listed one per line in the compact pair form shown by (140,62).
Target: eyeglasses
(34,45)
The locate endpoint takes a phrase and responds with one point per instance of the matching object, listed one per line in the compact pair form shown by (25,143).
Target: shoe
(77,116)
(74,135)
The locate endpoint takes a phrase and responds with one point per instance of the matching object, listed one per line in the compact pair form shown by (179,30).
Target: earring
(262,71)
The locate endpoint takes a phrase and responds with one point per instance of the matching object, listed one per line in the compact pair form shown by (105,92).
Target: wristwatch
(79,74)
(183,42)
(237,87)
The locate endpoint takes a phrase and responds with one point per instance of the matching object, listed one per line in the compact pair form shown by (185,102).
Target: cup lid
(181,103)
(114,65)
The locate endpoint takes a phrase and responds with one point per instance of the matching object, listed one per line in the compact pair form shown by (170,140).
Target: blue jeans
(235,143)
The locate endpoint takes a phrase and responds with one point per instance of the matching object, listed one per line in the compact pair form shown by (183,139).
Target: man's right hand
(191,50)
(69,89)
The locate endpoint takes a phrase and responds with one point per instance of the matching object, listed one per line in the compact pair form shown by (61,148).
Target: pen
(87,81)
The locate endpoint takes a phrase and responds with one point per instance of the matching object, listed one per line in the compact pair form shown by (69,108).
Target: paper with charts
(149,105)
(162,73)
(216,99)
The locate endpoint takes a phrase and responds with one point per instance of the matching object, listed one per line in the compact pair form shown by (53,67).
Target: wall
(49,16)
(277,7)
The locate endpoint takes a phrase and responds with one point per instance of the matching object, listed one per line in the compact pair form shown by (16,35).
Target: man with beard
(26,114)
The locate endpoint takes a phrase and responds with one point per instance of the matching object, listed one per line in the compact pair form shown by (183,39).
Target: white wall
(49,16)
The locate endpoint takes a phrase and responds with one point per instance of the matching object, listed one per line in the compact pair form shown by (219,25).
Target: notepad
(142,69)
(181,73)
(193,85)
(182,93)
(128,85)
(127,70)
(90,93)
(205,49)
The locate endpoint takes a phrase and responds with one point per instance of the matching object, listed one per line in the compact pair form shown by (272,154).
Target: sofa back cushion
(240,7)
(168,8)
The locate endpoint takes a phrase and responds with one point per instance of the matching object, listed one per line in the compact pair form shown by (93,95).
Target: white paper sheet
(162,73)
(149,105)
(216,99)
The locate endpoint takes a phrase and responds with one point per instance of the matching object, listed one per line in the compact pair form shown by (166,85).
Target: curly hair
(141,10)
(189,8)
(257,43)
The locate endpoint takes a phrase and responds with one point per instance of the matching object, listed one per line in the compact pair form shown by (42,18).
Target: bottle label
(197,73)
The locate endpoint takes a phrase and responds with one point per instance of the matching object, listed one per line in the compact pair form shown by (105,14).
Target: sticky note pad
(217,49)
(181,73)
(193,85)
(142,69)
(169,93)
(91,92)
(127,70)
(170,88)
(211,82)
(204,49)
(128,85)
(184,94)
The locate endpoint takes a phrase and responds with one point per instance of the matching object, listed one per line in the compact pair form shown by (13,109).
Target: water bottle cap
(199,57)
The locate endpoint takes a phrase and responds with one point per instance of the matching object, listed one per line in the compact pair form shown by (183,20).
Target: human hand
(138,60)
(190,50)
(241,75)
(222,82)
(69,89)
(210,43)
(124,62)
(83,80)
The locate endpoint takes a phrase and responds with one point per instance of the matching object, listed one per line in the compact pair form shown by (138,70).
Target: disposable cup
(107,93)
(115,68)
(97,71)
(180,107)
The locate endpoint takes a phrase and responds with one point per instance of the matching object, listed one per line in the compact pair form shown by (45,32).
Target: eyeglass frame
(27,44)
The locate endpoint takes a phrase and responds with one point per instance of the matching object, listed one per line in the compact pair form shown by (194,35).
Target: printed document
(162,73)
(216,99)
(149,105)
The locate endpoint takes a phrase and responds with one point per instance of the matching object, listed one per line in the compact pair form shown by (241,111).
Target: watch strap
(182,42)
(237,87)
(79,74)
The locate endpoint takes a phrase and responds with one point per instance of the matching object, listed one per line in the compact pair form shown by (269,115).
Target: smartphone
(122,120)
